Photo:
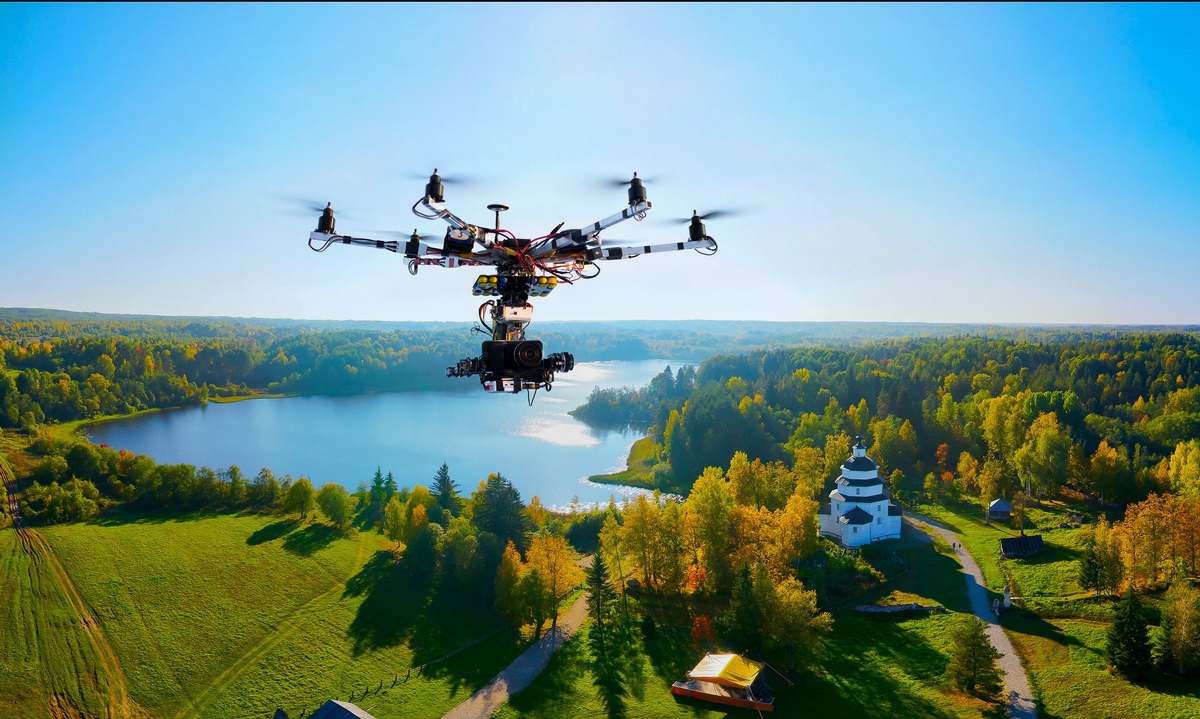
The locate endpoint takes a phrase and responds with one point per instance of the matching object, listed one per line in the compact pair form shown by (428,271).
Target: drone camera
(512,356)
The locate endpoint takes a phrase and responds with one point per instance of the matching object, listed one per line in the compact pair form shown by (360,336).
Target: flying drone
(524,268)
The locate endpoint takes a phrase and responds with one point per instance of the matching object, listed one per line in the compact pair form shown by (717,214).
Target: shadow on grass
(671,653)
(556,687)
(1026,622)
(404,606)
(121,516)
(1175,686)
(1052,553)
(273,531)
(308,541)
(869,671)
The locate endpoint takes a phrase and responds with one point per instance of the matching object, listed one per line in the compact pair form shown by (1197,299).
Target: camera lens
(527,355)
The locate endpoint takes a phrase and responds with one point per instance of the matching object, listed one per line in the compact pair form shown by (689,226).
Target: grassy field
(872,666)
(1067,667)
(1064,657)
(642,458)
(46,660)
(1051,574)
(233,616)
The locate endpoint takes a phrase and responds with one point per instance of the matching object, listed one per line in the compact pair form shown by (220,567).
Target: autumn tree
(508,577)
(713,510)
(1043,459)
(1183,469)
(1108,469)
(794,621)
(394,521)
(1100,566)
(335,504)
(301,497)
(1182,622)
(554,560)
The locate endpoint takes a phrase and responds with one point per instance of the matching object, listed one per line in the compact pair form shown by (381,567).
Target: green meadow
(233,616)
(1061,633)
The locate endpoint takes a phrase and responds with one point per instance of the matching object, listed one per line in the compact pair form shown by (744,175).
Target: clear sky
(972,163)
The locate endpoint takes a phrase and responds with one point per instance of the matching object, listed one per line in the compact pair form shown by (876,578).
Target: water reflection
(541,449)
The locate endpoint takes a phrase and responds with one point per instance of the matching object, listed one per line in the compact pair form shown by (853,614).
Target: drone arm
(439,211)
(629,251)
(327,239)
(579,238)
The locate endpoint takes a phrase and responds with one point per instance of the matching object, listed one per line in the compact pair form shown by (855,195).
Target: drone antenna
(497,208)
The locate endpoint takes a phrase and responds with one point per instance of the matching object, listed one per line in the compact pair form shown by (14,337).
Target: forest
(1105,419)
(1115,417)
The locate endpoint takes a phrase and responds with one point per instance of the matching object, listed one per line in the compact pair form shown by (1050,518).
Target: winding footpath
(1016,682)
(525,668)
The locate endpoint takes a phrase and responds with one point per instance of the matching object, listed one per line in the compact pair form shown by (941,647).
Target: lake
(541,449)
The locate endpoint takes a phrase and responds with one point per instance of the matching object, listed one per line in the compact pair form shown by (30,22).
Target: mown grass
(233,616)
(1052,573)
(1064,658)
(1067,667)
(44,656)
(871,666)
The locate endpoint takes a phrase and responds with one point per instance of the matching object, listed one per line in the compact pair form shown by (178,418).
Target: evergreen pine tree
(1089,569)
(973,665)
(1128,638)
(600,596)
(445,490)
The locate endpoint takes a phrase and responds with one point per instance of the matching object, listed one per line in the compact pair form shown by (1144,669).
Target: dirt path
(40,551)
(525,668)
(205,699)
(1016,682)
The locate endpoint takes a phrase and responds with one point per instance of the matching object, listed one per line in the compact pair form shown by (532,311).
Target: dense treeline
(57,370)
(1102,414)
(628,405)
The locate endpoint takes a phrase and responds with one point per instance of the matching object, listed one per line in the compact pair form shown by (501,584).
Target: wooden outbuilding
(1000,510)
(1022,546)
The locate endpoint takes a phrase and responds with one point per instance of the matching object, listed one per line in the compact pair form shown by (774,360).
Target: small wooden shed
(1000,509)
(1022,546)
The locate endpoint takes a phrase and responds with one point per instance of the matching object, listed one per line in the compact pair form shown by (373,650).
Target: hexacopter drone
(525,268)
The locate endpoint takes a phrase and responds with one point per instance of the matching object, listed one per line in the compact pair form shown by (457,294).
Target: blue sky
(970,163)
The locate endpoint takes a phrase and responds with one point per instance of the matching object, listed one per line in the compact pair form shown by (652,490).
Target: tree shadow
(671,653)
(121,516)
(836,683)
(308,541)
(272,531)
(1051,553)
(453,635)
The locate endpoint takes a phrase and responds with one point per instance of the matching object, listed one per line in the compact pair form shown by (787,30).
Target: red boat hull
(709,692)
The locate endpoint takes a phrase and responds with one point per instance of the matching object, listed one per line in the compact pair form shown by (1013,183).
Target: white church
(860,510)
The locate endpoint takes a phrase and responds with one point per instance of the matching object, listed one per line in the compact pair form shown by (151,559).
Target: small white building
(860,510)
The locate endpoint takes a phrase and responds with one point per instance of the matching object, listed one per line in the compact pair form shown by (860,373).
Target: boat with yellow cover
(728,679)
